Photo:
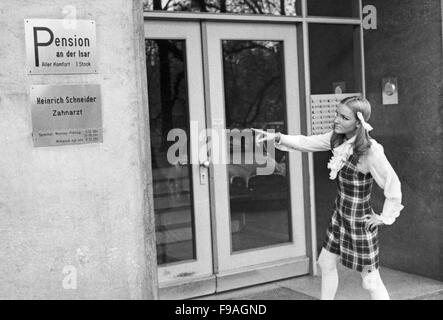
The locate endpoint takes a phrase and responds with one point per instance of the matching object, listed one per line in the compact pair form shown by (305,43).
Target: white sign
(66,114)
(56,47)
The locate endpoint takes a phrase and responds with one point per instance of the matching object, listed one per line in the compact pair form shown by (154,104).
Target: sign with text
(66,114)
(60,46)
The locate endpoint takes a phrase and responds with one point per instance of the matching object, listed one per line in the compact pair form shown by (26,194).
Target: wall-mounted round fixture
(390,88)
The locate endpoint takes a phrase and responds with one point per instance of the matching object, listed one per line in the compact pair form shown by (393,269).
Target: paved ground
(433,296)
(400,285)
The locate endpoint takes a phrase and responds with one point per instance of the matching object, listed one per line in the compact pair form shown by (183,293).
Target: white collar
(339,157)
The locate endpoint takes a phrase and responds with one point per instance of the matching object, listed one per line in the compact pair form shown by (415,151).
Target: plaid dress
(347,234)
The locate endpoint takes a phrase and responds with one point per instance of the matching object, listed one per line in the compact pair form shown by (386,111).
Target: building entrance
(227,214)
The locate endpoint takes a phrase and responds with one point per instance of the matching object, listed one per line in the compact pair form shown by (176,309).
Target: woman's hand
(263,136)
(373,221)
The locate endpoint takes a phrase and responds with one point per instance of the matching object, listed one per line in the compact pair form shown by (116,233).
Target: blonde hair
(362,142)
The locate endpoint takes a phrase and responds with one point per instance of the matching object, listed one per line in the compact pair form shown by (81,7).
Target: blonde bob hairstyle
(362,142)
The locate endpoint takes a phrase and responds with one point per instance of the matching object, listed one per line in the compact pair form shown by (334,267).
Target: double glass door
(228,213)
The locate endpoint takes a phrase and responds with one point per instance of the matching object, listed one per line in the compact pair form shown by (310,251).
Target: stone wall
(77,209)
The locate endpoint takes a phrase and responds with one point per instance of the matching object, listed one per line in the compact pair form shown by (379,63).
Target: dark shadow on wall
(407,44)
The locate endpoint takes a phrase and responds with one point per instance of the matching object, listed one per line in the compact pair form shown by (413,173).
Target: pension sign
(57,47)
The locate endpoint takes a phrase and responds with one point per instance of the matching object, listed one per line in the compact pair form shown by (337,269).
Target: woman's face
(345,121)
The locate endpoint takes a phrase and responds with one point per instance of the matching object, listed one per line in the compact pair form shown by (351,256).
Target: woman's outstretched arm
(321,142)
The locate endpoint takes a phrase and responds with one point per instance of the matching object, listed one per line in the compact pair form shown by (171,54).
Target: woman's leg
(373,283)
(329,275)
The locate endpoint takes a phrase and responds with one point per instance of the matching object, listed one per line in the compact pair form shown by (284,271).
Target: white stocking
(373,283)
(329,275)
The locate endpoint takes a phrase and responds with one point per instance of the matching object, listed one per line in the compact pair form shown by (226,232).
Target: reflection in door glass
(168,109)
(274,7)
(255,97)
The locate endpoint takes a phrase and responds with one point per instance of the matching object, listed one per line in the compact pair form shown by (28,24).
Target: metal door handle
(205,163)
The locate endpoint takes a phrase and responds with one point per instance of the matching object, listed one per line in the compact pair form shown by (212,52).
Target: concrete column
(77,221)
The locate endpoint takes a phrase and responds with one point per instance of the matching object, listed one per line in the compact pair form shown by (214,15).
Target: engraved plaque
(60,46)
(66,114)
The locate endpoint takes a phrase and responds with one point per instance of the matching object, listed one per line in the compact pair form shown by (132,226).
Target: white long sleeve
(321,142)
(386,178)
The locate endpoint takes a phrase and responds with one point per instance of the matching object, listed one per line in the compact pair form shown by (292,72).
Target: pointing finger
(259,131)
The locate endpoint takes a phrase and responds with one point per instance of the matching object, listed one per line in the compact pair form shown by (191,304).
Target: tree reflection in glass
(255,97)
(272,7)
(168,109)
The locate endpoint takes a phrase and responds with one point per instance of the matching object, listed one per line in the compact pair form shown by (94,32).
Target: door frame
(199,270)
(268,263)
(213,33)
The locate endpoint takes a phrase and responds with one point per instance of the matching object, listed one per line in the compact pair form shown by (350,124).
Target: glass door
(253,83)
(180,183)
(224,222)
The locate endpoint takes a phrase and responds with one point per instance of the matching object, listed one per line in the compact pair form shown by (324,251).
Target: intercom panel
(323,108)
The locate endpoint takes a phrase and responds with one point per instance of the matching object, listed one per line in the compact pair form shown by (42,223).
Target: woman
(352,234)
